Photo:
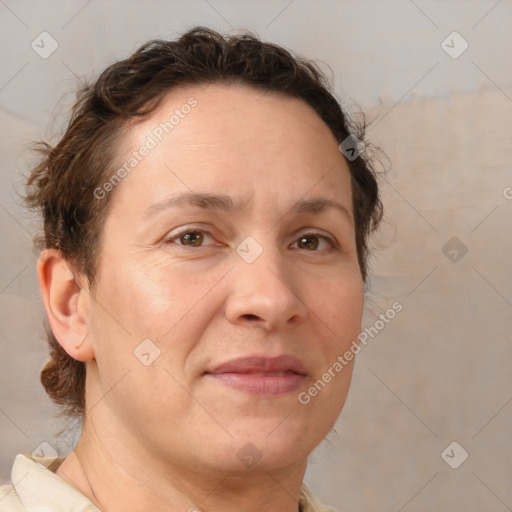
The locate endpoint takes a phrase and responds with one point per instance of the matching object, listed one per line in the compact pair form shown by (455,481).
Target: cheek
(349,313)
(340,307)
(157,300)
(149,303)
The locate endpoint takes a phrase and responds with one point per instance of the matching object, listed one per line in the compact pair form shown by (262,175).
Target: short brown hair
(61,187)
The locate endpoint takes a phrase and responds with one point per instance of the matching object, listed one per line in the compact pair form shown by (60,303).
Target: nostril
(250,316)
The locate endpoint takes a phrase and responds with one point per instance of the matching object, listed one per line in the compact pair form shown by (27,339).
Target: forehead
(226,113)
(236,139)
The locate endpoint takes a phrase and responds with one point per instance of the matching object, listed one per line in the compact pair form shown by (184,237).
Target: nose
(264,293)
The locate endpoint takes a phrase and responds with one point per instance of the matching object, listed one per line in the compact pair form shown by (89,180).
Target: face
(230,249)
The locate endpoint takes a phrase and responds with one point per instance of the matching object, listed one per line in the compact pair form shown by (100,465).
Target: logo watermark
(454,45)
(352,147)
(454,455)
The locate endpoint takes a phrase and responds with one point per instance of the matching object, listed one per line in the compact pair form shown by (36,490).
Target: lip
(257,375)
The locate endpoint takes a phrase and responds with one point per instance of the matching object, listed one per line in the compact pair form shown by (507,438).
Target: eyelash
(171,239)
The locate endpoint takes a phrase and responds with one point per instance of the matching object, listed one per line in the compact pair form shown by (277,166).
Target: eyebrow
(320,204)
(221,202)
(200,200)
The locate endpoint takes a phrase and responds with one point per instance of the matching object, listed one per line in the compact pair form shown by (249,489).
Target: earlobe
(67,304)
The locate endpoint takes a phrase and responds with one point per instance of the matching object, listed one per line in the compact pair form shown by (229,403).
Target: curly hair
(61,187)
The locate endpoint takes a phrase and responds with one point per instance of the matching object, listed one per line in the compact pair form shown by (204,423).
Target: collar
(38,488)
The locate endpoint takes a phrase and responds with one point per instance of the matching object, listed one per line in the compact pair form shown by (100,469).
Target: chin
(251,459)
(270,449)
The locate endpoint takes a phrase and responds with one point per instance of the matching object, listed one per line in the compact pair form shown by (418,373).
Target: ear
(67,302)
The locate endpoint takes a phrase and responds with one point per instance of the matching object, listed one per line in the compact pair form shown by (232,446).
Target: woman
(202,269)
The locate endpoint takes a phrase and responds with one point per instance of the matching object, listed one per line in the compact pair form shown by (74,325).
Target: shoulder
(309,503)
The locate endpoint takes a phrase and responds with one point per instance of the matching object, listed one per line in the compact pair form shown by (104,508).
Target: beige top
(37,488)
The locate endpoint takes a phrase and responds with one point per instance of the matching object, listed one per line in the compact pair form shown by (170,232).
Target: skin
(167,435)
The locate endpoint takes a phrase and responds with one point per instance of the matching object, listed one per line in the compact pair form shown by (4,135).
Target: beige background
(440,370)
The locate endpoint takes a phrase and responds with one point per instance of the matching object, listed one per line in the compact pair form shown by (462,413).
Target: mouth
(261,376)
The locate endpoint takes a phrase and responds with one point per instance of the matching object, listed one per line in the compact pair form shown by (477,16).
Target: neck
(117,478)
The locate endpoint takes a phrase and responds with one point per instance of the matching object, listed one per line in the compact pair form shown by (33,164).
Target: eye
(189,238)
(314,242)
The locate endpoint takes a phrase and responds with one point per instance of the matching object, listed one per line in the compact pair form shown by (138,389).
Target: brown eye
(192,238)
(308,242)
(314,242)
